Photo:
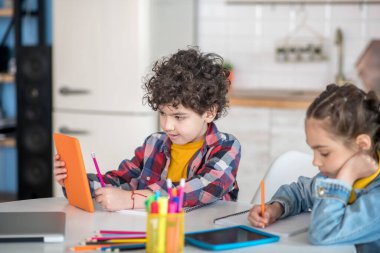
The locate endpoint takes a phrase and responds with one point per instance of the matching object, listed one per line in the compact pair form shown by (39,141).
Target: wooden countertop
(273,98)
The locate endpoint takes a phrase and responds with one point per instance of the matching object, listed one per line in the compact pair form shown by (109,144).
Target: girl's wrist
(278,208)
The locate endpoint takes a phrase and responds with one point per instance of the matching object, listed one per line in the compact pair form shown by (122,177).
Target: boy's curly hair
(189,78)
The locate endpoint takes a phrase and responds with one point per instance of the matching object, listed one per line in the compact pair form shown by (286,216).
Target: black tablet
(229,238)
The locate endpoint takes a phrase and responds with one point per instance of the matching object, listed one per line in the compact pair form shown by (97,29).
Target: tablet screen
(229,238)
(230,235)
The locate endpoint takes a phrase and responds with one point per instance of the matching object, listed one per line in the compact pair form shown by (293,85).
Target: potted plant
(228,66)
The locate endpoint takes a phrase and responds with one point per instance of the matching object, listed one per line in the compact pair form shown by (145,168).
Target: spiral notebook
(286,227)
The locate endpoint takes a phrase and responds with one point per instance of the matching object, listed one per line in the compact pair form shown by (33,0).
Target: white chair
(284,170)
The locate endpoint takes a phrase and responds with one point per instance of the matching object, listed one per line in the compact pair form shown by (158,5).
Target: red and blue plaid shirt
(211,174)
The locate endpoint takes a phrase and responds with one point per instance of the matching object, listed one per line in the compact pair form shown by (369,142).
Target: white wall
(246,35)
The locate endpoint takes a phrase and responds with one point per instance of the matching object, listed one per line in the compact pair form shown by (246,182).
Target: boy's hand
(271,214)
(113,199)
(60,171)
(359,166)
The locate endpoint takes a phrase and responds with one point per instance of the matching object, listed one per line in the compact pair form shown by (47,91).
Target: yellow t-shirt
(180,157)
(362,183)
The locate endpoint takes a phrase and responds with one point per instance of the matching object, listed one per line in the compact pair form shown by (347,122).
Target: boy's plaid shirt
(211,173)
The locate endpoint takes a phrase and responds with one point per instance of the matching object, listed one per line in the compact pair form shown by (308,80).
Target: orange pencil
(88,247)
(262,198)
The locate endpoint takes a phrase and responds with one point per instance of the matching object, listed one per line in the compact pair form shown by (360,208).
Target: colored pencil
(104,238)
(141,240)
(122,247)
(262,198)
(87,247)
(122,232)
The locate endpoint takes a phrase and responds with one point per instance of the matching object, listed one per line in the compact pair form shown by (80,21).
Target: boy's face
(183,125)
(330,154)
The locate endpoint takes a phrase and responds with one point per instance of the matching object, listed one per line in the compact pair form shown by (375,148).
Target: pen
(162,211)
(97,169)
(262,198)
(169,186)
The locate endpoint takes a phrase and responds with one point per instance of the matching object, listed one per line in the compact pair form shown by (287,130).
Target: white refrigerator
(102,49)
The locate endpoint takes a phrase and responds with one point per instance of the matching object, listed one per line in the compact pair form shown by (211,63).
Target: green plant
(227,65)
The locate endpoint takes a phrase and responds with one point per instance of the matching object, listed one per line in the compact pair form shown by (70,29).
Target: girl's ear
(210,114)
(364,141)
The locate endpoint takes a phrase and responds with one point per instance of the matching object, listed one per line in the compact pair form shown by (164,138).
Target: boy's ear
(210,114)
(364,141)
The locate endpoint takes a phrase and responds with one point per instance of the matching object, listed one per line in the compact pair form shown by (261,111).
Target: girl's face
(183,125)
(330,153)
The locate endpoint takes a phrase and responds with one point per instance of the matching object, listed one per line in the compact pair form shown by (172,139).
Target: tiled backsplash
(247,35)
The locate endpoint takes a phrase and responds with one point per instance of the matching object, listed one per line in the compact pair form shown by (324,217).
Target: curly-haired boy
(189,89)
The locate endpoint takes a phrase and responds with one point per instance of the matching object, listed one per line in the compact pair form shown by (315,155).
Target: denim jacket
(333,220)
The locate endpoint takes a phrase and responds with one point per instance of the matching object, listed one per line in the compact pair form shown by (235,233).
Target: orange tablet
(76,184)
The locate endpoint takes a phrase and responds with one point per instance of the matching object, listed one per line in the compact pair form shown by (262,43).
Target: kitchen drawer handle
(66,130)
(68,91)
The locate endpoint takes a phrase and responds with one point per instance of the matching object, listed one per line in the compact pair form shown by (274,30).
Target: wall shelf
(303,2)
(280,99)
(6,12)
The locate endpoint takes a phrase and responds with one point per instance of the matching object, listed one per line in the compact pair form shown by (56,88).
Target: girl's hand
(359,166)
(271,214)
(60,171)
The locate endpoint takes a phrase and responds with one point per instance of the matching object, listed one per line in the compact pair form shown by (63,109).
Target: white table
(81,224)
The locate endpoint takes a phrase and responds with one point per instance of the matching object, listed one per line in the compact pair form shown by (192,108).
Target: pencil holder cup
(165,233)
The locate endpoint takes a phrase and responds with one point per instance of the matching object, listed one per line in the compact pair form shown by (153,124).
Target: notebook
(32,226)
(76,184)
(286,227)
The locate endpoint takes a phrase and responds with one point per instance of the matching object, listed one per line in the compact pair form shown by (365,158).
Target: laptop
(76,184)
(32,227)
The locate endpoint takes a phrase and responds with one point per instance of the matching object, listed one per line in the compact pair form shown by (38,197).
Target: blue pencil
(123,247)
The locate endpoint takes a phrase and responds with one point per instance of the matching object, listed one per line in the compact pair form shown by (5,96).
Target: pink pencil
(104,238)
(121,232)
(97,169)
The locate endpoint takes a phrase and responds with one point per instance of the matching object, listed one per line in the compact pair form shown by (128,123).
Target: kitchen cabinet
(102,51)
(264,134)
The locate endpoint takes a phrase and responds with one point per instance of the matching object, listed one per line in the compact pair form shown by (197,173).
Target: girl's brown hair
(348,112)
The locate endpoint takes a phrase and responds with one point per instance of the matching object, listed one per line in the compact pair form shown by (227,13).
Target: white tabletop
(81,225)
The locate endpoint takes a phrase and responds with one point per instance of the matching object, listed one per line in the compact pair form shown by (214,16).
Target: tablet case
(269,238)
(76,184)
